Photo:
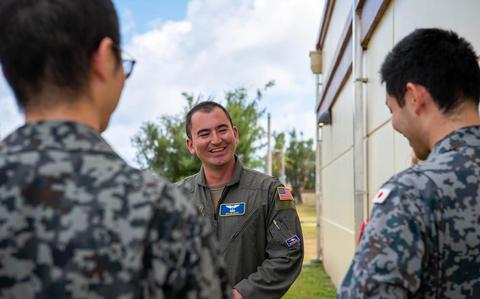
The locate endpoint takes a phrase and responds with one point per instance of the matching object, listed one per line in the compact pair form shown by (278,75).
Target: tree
(161,145)
(245,115)
(300,164)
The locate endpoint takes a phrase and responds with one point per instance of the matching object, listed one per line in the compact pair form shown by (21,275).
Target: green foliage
(300,164)
(161,145)
(245,115)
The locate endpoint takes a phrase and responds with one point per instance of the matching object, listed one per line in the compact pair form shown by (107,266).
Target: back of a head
(441,61)
(48,44)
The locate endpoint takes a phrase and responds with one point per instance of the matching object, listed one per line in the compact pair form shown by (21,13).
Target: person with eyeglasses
(75,220)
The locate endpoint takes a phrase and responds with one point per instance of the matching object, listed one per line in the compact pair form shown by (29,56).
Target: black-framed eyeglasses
(128,62)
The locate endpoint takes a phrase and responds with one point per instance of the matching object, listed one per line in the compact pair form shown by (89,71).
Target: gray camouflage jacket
(423,238)
(77,222)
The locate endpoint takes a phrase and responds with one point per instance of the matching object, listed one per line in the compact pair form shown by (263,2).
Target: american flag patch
(284,193)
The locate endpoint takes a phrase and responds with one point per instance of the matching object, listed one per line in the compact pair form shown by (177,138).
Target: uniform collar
(62,135)
(467,136)
(234,179)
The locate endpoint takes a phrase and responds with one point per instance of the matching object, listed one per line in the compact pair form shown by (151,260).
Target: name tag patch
(292,241)
(232,209)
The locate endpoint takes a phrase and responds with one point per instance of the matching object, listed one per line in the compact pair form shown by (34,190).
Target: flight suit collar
(237,172)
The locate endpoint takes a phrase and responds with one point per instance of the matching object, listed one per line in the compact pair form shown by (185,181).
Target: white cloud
(222,45)
(128,21)
(11,117)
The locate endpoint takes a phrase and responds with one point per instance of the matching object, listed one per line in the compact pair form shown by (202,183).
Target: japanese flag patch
(381,195)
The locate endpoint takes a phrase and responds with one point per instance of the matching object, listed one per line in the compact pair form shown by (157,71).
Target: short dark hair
(206,106)
(49,43)
(441,61)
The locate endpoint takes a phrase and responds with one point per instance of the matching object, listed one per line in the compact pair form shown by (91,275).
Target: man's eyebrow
(203,131)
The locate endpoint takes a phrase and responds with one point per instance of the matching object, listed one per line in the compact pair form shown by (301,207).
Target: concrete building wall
(338,20)
(388,152)
(337,218)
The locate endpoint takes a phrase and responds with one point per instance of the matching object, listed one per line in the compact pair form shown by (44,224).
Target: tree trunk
(298,195)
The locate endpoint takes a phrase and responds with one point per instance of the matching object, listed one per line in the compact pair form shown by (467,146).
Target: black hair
(206,106)
(441,61)
(49,43)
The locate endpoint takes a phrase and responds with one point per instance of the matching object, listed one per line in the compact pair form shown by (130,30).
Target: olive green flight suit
(263,248)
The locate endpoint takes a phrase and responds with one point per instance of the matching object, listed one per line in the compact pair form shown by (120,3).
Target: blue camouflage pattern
(77,222)
(423,241)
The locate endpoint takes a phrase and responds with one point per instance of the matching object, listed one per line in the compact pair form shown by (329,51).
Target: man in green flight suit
(253,214)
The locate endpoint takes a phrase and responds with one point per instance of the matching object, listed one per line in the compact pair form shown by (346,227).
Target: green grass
(312,283)
(307,210)
(309,232)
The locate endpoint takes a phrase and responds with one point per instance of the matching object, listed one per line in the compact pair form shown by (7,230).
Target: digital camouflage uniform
(423,238)
(77,222)
(260,235)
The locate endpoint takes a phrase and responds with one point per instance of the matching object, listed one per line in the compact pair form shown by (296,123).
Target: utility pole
(283,177)
(269,148)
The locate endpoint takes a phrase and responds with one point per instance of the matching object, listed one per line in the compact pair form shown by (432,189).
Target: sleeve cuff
(244,288)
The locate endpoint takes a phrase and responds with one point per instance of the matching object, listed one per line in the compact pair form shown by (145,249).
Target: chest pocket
(242,229)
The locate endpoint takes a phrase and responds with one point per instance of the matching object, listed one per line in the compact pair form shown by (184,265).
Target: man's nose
(216,138)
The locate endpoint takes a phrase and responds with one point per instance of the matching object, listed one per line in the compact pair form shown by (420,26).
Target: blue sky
(209,47)
(144,12)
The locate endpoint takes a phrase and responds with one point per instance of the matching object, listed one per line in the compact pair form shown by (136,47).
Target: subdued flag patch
(284,193)
(381,195)
(292,241)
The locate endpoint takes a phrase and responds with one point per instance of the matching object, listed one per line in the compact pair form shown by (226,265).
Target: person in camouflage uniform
(423,238)
(75,220)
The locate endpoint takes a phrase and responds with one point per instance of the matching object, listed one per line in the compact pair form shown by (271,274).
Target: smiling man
(253,215)
(423,237)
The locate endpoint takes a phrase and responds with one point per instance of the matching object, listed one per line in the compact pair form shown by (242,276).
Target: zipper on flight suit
(245,224)
(217,208)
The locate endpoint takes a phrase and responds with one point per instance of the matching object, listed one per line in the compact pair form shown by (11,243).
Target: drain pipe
(316,67)
(318,179)
(359,124)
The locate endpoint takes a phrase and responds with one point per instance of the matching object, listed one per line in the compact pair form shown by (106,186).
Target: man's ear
(102,59)
(417,96)
(190,147)
(235,134)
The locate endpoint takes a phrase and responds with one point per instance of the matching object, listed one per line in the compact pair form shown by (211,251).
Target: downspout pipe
(318,177)
(316,67)
(359,125)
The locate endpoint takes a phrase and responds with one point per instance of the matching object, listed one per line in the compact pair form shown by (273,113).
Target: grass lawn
(308,218)
(312,283)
